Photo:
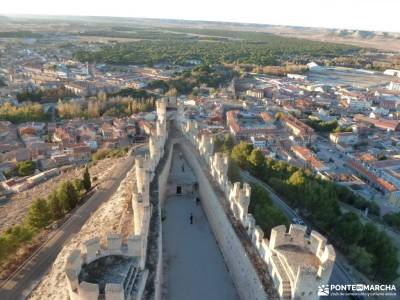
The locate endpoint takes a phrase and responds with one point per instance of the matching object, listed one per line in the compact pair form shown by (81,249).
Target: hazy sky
(352,14)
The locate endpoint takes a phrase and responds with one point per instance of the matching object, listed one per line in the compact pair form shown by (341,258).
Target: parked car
(298,221)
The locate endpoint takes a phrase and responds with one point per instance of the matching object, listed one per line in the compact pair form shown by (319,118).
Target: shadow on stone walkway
(195,269)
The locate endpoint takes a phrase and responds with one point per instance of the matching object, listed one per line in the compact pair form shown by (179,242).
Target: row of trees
(267,215)
(44,95)
(281,70)
(69,109)
(42,213)
(20,34)
(22,113)
(368,248)
(115,106)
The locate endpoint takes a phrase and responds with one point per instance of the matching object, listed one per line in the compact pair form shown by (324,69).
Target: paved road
(339,274)
(29,274)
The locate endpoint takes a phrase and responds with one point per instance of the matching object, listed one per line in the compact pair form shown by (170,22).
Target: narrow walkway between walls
(194,266)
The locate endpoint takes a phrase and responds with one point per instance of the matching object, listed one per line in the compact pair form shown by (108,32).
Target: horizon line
(192,20)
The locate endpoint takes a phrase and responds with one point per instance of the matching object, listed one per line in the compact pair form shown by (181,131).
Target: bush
(68,196)
(39,215)
(109,153)
(55,206)
(393,220)
(361,259)
(266,214)
(11,240)
(25,168)
(234,172)
(86,182)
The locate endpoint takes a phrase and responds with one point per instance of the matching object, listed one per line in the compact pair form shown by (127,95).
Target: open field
(344,76)
(14,211)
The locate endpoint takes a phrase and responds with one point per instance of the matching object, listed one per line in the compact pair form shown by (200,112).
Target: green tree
(19,234)
(78,185)
(393,220)
(228,144)
(360,257)
(241,152)
(349,228)
(87,183)
(257,162)
(12,238)
(379,244)
(68,196)
(25,168)
(266,214)
(39,215)
(55,206)
(233,172)
(218,145)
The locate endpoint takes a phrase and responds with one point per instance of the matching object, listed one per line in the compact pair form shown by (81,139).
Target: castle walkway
(194,267)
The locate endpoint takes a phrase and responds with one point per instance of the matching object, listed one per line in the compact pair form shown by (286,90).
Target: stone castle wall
(240,267)
(237,199)
(137,243)
(162,191)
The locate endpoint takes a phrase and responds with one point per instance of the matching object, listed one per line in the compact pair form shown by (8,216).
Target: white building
(392,72)
(347,138)
(297,77)
(394,86)
(313,66)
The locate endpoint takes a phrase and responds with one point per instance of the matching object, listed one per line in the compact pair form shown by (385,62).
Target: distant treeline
(20,34)
(216,47)
(44,95)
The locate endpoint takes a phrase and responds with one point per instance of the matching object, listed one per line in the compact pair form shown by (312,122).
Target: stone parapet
(91,252)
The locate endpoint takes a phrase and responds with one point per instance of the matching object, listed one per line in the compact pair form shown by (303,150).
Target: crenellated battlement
(161,109)
(80,261)
(306,260)
(206,145)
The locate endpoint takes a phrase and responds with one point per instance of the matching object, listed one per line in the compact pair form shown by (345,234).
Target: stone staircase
(130,280)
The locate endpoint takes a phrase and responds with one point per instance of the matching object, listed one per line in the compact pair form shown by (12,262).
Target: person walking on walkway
(191,218)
